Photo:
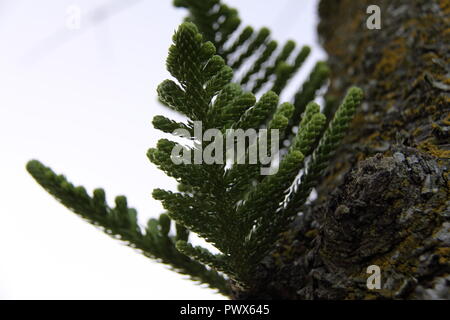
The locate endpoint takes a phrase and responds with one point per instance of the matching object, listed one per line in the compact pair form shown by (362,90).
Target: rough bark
(385,198)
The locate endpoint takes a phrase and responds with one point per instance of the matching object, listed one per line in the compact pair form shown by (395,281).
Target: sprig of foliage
(240,218)
(120,222)
(237,45)
(235,208)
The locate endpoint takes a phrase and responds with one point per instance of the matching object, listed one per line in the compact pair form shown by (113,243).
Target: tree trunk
(385,198)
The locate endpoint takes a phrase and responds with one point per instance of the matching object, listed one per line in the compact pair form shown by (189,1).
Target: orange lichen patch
(445,6)
(447,100)
(412,112)
(429,56)
(442,77)
(435,126)
(373,136)
(433,150)
(417,132)
(444,254)
(392,57)
(407,245)
(419,79)
(446,121)
(443,205)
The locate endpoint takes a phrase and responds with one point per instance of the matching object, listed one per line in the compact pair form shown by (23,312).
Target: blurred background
(80,96)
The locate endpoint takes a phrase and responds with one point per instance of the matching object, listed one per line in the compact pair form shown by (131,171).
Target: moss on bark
(385,198)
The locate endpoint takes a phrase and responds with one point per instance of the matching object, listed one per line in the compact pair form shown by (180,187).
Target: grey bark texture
(385,198)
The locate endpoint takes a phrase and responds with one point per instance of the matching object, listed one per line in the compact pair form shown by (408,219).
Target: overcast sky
(82,101)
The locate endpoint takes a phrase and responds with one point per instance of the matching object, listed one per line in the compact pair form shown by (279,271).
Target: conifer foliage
(237,210)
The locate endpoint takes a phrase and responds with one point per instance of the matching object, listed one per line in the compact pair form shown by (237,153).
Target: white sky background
(82,103)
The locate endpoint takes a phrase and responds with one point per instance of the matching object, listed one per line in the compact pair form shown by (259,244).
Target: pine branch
(229,203)
(239,219)
(120,222)
(262,59)
(238,45)
(307,93)
(327,146)
(202,255)
(282,57)
(285,71)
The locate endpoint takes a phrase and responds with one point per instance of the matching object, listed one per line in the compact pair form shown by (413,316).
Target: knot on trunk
(369,214)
